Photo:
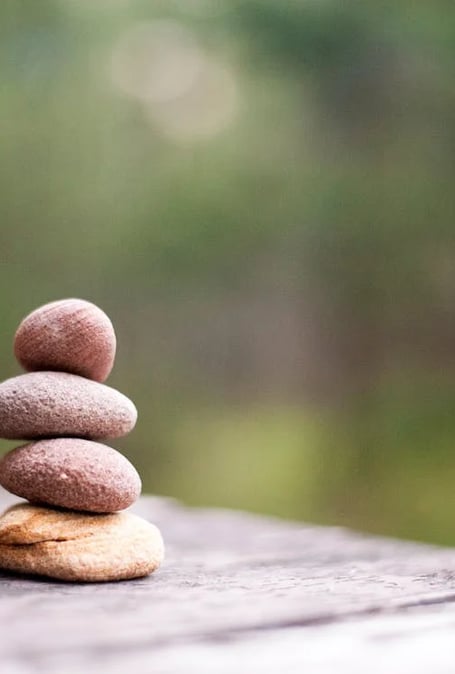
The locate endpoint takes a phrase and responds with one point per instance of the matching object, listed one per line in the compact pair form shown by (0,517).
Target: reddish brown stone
(71,473)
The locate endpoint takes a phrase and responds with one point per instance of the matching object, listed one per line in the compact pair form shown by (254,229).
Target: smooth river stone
(78,546)
(68,335)
(47,404)
(71,473)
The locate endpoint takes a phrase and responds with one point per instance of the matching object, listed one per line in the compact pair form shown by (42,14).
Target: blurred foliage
(260,194)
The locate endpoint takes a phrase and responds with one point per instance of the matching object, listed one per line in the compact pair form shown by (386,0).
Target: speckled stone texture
(68,335)
(50,404)
(71,473)
(78,547)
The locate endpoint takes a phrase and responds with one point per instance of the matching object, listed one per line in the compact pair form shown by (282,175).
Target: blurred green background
(261,196)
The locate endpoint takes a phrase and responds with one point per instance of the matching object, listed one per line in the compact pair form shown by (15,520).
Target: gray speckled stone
(53,404)
(71,473)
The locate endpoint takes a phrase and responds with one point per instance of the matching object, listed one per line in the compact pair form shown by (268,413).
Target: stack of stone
(72,529)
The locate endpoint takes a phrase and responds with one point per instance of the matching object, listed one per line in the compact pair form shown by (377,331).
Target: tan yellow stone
(77,546)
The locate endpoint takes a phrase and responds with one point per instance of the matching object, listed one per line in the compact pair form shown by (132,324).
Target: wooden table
(242,594)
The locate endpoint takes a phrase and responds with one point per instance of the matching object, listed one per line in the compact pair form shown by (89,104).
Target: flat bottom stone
(75,546)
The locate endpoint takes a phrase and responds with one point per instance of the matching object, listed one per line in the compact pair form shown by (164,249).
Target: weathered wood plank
(235,585)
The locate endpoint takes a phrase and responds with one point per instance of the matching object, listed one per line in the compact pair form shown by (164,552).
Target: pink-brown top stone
(69,335)
(54,404)
(71,473)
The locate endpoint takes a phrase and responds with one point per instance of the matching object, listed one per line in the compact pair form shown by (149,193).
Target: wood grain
(242,593)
